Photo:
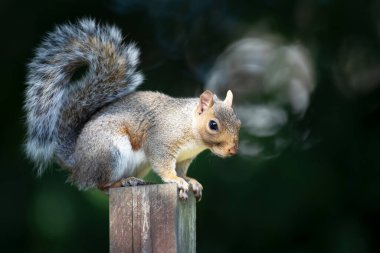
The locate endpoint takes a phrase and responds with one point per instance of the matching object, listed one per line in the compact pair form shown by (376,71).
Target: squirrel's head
(217,124)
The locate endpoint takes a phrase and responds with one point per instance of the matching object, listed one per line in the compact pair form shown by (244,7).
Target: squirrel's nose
(233,150)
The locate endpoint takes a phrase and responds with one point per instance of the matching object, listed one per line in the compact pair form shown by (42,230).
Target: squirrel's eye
(213,125)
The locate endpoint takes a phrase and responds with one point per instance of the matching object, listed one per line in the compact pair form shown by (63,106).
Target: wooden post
(151,218)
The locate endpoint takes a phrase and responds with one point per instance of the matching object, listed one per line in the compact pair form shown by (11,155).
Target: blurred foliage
(319,194)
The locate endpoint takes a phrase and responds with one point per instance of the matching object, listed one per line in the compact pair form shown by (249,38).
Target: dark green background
(324,198)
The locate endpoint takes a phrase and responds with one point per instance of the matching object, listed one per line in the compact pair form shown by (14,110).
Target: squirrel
(100,129)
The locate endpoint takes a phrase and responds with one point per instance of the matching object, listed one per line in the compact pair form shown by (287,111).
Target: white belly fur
(129,163)
(132,163)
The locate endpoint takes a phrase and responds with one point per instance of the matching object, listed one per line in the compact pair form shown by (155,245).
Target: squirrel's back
(57,107)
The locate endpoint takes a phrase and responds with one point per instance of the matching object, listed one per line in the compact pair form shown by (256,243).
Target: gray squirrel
(100,129)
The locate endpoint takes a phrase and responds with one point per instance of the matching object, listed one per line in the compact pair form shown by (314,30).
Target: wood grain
(151,218)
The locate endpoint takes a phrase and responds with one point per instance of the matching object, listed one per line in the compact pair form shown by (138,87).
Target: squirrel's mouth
(220,154)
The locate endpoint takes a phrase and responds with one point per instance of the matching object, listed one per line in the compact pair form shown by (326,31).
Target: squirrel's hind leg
(124,182)
(132,181)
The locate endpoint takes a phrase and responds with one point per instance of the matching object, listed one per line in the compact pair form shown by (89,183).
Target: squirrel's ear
(228,100)
(205,101)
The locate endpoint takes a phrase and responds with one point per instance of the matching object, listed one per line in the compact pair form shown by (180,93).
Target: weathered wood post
(151,218)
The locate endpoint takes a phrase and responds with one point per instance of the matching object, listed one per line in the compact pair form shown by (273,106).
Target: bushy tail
(56,106)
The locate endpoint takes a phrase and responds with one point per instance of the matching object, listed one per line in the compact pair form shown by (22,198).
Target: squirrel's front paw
(196,187)
(183,186)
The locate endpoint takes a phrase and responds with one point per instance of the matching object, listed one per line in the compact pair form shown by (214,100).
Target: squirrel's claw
(198,196)
(183,186)
(183,194)
(132,181)
(196,187)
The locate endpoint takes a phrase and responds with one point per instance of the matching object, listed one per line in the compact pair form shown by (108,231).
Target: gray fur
(58,108)
(166,125)
(228,118)
(161,119)
(99,129)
